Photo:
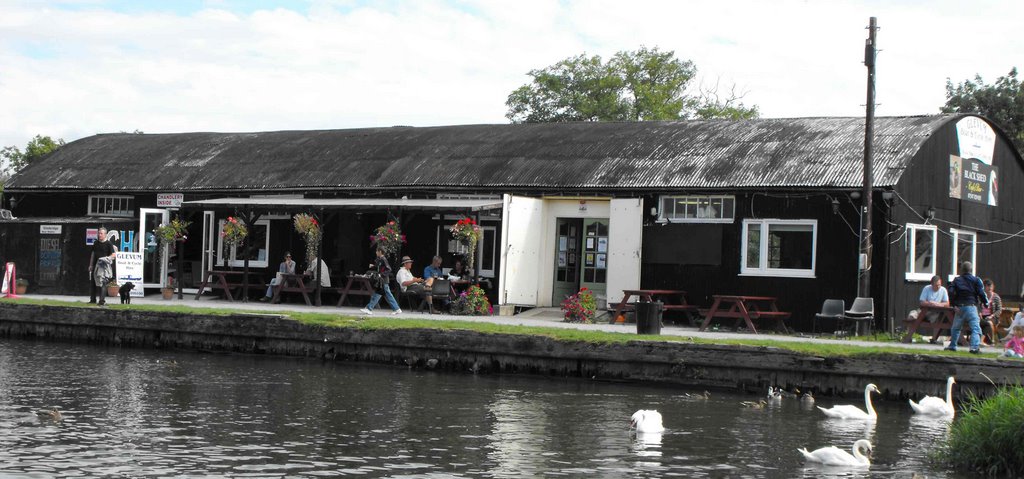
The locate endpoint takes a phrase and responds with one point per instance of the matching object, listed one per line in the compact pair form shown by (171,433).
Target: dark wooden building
(765,207)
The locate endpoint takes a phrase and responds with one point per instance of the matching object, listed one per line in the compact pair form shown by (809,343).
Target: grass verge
(987,436)
(823,349)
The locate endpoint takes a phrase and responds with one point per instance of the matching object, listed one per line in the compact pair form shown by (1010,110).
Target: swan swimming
(847,411)
(933,406)
(646,421)
(833,456)
(774,394)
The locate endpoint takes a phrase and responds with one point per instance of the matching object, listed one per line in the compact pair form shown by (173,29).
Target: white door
(625,229)
(209,243)
(521,232)
(154,258)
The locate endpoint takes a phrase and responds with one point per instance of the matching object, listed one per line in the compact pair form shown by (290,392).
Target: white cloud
(74,72)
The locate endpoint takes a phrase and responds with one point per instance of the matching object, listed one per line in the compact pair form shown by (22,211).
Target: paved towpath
(545,317)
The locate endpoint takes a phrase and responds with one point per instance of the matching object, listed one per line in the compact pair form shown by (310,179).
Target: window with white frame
(921,247)
(697,209)
(111,205)
(259,236)
(773,247)
(964,249)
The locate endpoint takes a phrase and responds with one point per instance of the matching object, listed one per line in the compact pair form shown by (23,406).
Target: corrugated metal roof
(361,204)
(764,153)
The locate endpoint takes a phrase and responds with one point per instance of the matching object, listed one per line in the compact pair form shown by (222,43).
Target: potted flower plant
(112,288)
(474,302)
(168,290)
(580,307)
(21,286)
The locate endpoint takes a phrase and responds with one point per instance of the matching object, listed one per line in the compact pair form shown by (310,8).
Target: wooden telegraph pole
(864,261)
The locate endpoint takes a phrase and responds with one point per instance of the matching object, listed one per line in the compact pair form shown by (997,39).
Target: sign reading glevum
(130,269)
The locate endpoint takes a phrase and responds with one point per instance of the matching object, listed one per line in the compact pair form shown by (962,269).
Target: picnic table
(223,280)
(672,299)
(293,283)
(747,309)
(946,314)
(356,284)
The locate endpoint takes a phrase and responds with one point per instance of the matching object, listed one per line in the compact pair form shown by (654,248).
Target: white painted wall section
(625,238)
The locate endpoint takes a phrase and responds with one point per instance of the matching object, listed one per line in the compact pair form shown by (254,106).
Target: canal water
(131,413)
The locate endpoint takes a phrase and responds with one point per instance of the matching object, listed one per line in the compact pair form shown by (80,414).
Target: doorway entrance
(154,258)
(581,257)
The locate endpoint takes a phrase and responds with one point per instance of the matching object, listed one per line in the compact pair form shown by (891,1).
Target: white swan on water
(646,421)
(833,456)
(933,406)
(847,411)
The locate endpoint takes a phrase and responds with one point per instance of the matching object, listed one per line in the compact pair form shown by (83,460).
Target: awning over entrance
(361,204)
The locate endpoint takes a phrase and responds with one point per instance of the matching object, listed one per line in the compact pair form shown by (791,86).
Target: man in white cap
(410,283)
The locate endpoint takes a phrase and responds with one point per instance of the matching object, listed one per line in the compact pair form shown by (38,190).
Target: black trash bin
(648,317)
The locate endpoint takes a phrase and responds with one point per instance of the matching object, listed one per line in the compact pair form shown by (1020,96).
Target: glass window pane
(716,209)
(964,249)
(681,211)
(667,204)
(754,245)
(704,208)
(728,208)
(488,252)
(923,261)
(790,246)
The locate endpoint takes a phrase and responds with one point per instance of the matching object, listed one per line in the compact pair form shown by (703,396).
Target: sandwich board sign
(7,287)
(129,270)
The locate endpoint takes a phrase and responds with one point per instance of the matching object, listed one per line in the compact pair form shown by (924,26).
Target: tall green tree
(646,84)
(14,159)
(1002,101)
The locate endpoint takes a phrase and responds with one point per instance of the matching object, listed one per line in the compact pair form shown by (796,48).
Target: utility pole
(864,258)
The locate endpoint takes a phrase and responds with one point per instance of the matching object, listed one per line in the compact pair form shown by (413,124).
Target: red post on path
(10,282)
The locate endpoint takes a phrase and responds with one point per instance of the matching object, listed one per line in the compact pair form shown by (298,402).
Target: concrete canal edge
(750,368)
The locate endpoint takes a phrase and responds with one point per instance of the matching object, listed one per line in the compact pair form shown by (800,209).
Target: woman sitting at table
(286,267)
(459,269)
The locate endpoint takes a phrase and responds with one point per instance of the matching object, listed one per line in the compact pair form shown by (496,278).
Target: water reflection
(139,412)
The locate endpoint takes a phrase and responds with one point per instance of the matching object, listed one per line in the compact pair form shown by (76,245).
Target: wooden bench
(220,281)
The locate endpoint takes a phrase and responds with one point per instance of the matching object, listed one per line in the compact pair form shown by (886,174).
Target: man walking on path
(100,273)
(966,292)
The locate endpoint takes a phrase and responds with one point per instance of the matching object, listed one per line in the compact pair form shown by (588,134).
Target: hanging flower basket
(234,231)
(467,232)
(167,234)
(580,307)
(307,226)
(388,238)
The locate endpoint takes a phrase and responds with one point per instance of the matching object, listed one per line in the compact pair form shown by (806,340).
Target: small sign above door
(169,200)
(50,229)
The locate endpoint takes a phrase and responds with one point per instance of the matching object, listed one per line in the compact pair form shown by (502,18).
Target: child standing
(1015,345)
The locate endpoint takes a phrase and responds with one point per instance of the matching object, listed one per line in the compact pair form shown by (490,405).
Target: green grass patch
(988,436)
(812,348)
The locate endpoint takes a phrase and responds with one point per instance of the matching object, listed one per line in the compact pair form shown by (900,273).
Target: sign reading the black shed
(971,175)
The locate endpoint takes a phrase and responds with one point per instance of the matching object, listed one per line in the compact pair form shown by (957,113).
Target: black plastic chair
(441,293)
(862,311)
(831,310)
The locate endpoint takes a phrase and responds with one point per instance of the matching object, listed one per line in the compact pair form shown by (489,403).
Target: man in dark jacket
(966,292)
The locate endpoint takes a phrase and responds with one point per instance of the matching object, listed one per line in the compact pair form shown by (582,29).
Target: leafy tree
(1002,101)
(36,148)
(646,84)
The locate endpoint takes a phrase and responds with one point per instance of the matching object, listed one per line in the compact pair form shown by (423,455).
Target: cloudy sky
(74,68)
